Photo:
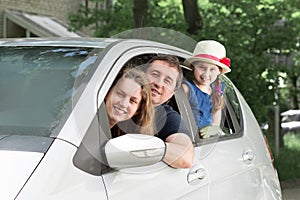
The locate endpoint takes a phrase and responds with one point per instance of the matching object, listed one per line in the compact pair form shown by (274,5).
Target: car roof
(85,42)
(92,42)
(290,112)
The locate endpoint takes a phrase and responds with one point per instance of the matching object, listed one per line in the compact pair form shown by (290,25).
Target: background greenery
(287,162)
(262,38)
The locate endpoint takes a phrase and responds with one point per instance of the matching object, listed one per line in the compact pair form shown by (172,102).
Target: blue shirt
(200,104)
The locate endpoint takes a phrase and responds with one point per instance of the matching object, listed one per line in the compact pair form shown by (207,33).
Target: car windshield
(37,85)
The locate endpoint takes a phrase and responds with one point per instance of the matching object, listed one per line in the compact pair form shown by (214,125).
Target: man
(165,75)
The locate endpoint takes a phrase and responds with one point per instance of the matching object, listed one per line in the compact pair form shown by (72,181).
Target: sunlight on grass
(292,141)
(288,160)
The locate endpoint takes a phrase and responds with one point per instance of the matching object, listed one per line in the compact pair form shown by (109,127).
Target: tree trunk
(294,95)
(271,123)
(271,129)
(192,16)
(140,10)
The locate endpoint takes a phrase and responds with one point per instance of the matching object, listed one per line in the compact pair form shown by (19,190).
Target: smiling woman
(130,98)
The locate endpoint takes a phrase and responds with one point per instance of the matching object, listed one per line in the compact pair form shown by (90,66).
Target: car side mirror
(134,150)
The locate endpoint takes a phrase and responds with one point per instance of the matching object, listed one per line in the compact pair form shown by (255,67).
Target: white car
(290,121)
(55,140)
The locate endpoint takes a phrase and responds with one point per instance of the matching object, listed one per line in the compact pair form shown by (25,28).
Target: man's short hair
(173,61)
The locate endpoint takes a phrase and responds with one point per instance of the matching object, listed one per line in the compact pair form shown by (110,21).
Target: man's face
(162,77)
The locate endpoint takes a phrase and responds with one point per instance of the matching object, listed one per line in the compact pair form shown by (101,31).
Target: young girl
(130,98)
(205,91)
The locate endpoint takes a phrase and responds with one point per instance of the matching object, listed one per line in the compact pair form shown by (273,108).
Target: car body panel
(157,181)
(16,168)
(57,178)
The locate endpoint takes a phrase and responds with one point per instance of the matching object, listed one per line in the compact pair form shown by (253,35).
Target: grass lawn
(287,162)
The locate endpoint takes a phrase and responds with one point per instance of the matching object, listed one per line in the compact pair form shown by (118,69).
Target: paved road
(292,193)
(290,189)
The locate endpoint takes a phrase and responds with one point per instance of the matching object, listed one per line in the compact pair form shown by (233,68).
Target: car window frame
(237,123)
(98,133)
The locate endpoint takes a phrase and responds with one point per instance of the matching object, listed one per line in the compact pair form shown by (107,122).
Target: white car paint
(57,178)
(16,168)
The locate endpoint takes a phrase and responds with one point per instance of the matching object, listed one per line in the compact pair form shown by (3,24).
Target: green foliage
(288,161)
(166,14)
(244,28)
(104,22)
(249,29)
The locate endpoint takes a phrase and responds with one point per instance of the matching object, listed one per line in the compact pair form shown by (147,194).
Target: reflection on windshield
(37,85)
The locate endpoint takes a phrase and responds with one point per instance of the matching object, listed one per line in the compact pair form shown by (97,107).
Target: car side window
(89,157)
(231,113)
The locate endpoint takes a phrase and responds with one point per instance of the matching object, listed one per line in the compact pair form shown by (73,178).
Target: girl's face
(205,73)
(123,100)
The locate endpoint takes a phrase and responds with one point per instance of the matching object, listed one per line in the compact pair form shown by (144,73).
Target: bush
(288,161)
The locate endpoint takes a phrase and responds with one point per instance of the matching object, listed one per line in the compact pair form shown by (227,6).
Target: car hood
(15,169)
(19,156)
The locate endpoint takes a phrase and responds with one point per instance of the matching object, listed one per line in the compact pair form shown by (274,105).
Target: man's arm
(179,151)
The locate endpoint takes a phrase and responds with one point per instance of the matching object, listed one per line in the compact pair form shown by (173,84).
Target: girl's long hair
(217,99)
(143,120)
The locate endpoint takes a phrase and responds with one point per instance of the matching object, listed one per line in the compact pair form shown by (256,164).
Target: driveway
(291,190)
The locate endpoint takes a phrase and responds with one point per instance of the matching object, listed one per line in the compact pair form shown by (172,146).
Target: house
(37,18)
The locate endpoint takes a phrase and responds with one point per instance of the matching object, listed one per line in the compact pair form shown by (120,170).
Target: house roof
(40,25)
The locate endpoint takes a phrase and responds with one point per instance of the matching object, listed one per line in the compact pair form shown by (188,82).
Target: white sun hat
(210,51)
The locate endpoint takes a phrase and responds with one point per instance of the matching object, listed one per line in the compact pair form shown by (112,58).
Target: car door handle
(196,176)
(248,156)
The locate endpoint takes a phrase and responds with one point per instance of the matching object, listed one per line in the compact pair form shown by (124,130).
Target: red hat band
(225,60)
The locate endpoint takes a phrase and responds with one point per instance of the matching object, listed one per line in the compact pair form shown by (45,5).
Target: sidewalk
(291,193)
(290,189)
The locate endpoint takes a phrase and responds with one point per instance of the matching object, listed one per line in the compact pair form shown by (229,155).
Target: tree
(140,12)
(293,78)
(247,28)
(192,16)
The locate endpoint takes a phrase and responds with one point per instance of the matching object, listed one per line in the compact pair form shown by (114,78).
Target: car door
(229,157)
(157,181)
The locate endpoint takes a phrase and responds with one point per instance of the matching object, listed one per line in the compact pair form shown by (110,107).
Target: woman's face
(123,100)
(205,73)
